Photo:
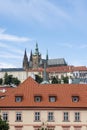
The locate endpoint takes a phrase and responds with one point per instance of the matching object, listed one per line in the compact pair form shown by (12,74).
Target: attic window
(75,98)
(52,98)
(18,98)
(37,98)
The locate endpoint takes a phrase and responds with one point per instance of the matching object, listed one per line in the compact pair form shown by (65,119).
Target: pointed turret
(31,56)
(47,55)
(25,61)
(36,49)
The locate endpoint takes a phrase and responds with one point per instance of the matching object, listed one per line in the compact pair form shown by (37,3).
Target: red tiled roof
(29,88)
(63,69)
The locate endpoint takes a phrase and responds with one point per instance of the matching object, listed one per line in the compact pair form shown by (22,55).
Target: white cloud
(3,45)
(13,38)
(6,65)
(9,55)
(12,49)
(42,11)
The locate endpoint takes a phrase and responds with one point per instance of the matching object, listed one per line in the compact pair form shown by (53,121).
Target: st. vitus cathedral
(35,61)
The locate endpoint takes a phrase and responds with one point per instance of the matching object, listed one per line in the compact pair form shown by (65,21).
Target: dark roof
(59,61)
(11,69)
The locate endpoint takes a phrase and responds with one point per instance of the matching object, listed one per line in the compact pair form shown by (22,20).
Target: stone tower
(36,57)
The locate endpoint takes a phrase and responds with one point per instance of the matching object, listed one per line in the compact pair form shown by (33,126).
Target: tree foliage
(38,79)
(65,79)
(9,79)
(59,81)
(54,80)
(1,81)
(3,125)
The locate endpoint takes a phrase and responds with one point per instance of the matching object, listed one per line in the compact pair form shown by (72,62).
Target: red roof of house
(30,88)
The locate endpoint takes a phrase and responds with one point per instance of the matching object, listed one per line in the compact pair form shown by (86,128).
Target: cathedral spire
(31,56)
(25,61)
(47,55)
(36,49)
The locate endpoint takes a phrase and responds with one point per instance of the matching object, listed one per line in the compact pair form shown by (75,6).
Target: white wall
(28,119)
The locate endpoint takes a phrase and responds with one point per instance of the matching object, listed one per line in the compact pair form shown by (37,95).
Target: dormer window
(37,98)
(75,98)
(18,98)
(52,98)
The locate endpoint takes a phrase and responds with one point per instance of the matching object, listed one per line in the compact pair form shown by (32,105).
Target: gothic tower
(36,57)
(25,61)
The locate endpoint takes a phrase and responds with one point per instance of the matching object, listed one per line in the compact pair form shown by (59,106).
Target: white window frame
(5,116)
(65,116)
(50,116)
(37,116)
(52,98)
(37,98)
(77,116)
(18,99)
(75,98)
(18,116)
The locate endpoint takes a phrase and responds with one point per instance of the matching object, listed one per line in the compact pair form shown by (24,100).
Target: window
(50,116)
(77,116)
(65,116)
(18,98)
(37,116)
(18,116)
(75,98)
(37,98)
(5,116)
(52,99)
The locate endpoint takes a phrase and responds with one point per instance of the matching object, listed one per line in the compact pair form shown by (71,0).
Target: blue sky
(59,26)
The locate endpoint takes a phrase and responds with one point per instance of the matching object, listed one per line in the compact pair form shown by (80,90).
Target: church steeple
(31,56)
(25,61)
(47,55)
(36,49)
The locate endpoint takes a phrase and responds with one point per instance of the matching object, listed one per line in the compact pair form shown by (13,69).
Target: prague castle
(36,60)
(34,65)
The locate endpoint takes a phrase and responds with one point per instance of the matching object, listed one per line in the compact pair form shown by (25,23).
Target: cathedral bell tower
(36,58)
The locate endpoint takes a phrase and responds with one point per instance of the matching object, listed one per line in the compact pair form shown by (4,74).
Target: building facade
(33,106)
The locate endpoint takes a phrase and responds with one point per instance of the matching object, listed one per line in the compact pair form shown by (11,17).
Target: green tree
(15,81)
(54,80)
(1,81)
(3,125)
(65,79)
(9,79)
(38,79)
